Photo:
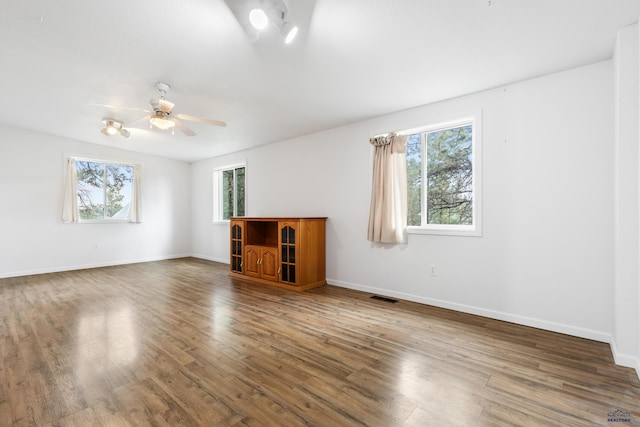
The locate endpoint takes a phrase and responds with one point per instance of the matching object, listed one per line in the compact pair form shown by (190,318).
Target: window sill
(104,221)
(446,231)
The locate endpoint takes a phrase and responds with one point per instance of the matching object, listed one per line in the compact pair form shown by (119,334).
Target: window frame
(104,162)
(218,193)
(475,229)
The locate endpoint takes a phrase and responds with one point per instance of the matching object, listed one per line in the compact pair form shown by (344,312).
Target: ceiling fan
(163,117)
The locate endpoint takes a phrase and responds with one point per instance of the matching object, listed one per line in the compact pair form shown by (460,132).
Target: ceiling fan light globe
(258,19)
(162,123)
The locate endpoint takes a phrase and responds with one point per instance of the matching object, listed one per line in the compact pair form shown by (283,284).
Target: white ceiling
(354,59)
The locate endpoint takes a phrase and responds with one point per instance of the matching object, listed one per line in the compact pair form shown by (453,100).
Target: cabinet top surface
(284,218)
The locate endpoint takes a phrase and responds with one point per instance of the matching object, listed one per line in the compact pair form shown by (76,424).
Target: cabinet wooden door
(269,264)
(261,261)
(252,261)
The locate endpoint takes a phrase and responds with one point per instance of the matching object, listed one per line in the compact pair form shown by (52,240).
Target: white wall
(33,238)
(545,258)
(626,295)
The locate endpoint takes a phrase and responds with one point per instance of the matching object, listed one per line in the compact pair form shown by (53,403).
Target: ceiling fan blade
(114,107)
(183,128)
(200,120)
(137,121)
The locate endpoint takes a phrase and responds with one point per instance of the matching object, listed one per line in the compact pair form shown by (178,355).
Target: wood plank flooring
(179,343)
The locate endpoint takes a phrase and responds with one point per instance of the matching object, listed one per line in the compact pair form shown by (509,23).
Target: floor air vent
(385,299)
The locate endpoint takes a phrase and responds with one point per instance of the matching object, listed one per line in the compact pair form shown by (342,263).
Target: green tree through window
(445,158)
(233,192)
(414,179)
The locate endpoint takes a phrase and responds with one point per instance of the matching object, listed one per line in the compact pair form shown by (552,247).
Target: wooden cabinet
(285,252)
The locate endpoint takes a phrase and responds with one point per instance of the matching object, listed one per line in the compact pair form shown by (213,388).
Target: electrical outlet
(432,270)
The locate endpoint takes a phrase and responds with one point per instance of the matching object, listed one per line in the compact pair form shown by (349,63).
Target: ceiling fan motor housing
(161,106)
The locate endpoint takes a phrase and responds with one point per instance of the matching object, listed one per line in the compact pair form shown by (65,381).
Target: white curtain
(135,211)
(70,201)
(388,212)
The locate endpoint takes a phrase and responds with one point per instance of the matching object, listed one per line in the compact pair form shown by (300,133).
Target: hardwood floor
(178,343)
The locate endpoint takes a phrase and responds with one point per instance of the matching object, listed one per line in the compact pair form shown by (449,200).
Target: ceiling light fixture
(259,19)
(289,32)
(113,127)
(256,15)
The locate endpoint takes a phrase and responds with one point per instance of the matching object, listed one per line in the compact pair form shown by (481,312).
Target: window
(229,192)
(98,190)
(443,179)
(103,190)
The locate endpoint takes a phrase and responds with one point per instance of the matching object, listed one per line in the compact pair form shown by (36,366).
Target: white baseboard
(209,258)
(624,359)
(59,269)
(479,311)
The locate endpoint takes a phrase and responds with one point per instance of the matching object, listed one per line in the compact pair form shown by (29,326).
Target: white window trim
(108,162)
(217,190)
(474,230)
(103,160)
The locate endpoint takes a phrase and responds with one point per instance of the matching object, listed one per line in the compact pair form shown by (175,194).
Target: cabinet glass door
(288,254)
(236,247)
